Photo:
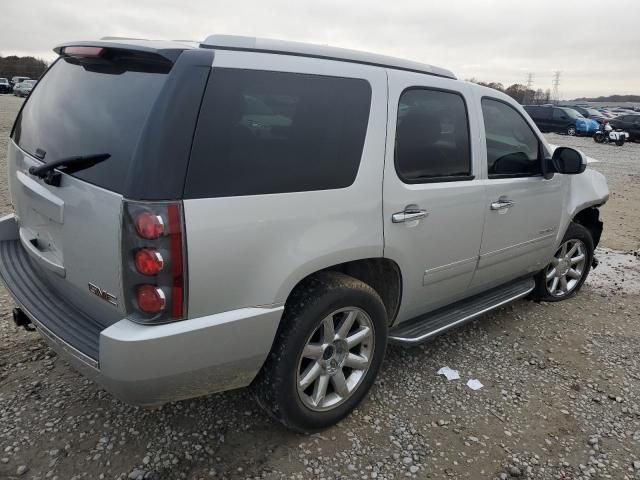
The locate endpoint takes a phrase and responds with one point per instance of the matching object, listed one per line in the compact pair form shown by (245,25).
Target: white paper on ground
(474,384)
(449,373)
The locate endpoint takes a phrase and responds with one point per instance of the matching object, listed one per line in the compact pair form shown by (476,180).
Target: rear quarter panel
(252,250)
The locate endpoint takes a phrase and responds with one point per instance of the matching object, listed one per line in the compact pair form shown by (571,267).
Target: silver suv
(196,218)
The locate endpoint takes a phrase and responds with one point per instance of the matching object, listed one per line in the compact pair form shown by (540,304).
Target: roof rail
(236,42)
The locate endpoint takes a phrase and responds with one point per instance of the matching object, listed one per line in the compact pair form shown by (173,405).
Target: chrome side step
(431,324)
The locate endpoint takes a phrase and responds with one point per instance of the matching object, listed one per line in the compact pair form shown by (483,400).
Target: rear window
(85,108)
(264,132)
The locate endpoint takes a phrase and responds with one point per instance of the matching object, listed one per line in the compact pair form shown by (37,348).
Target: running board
(431,324)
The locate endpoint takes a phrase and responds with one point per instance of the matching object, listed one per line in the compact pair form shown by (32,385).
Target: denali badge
(103,294)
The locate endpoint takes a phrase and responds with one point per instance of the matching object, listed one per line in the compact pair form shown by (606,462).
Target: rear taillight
(153,262)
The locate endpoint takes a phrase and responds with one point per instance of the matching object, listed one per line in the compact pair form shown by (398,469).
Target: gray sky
(491,40)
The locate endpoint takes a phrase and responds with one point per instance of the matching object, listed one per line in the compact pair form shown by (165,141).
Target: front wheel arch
(578,234)
(590,219)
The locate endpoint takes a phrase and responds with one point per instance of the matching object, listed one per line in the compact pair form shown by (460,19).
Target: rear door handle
(409,214)
(502,204)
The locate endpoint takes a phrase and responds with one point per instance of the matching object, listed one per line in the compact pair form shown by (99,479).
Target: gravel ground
(561,396)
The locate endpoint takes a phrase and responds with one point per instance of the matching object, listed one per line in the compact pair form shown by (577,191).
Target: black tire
(571,131)
(276,386)
(620,141)
(598,137)
(575,232)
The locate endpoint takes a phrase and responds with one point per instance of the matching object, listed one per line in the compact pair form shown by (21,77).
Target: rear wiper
(67,165)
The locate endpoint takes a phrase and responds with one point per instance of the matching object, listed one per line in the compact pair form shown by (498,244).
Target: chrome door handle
(501,204)
(409,214)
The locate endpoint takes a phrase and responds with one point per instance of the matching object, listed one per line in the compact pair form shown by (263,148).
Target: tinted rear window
(90,108)
(265,132)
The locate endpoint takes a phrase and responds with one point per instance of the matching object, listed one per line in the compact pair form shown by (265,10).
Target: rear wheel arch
(381,274)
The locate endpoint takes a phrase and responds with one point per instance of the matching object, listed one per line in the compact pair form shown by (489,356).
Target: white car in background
(23,89)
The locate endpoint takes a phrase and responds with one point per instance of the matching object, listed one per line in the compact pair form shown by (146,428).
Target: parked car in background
(23,89)
(561,120)
(605,113)
(5,86)
(629,123)
(622,111)
(588,112)
(17,80)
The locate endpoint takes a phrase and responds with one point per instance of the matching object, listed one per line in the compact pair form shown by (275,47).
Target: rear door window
(85,108)
(432,137)
(263,132)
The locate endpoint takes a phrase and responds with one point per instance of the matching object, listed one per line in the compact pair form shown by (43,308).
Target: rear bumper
(141,364)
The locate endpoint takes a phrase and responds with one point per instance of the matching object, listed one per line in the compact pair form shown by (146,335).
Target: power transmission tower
(555,93)
(529,84)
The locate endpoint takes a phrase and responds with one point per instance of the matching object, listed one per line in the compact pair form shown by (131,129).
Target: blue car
(586,126)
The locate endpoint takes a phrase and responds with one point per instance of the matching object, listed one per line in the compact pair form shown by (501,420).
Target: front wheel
(571,131)
(569,267)
(327,352)
(599,137)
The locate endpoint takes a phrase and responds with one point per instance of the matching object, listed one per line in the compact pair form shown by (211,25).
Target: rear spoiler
(168,50)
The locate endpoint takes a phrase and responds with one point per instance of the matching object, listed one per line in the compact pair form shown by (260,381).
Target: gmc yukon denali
(197,217)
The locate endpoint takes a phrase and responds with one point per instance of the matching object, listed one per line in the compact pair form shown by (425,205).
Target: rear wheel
(620,141)
(569,267)
(327,352)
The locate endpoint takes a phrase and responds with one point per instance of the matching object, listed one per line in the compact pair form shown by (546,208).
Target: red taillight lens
(149,225)
(151,299)
(148,261)
(83,51)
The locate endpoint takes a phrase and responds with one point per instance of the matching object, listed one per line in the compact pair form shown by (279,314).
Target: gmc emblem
(103,294)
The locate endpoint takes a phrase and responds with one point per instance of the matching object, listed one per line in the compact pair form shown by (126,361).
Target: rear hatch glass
(92,106)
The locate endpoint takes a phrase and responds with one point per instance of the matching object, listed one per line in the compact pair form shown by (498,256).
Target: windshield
(84,109)
(594,112)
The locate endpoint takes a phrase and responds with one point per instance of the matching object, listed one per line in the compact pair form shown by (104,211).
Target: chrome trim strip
(439,274)
(457,263)
(421,338)
(528,242)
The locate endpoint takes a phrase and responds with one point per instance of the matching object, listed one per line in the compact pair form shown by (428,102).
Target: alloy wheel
(567,268)
(335,359)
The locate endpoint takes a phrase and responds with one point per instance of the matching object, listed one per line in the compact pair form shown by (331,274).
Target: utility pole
(555,83)
(529,84)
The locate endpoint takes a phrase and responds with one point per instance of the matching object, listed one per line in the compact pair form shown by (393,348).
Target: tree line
(520,93)
(13,66)
(611,98)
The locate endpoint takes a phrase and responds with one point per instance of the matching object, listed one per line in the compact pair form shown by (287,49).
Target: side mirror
(566,160)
